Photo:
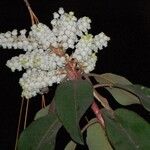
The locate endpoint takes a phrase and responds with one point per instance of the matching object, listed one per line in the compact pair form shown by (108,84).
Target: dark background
(127,22)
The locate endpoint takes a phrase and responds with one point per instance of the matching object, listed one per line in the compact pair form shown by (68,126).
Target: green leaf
(126,130)
(124,92)
(142,92)
(73,98)
(109,78)
(123,97)
(41,113)
(41,134)
(96,138)
(71,146)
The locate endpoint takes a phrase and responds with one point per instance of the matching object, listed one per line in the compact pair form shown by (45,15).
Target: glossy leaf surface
(142,92)
(126,130)
(121,96)
(109,78)
(41,134)
(73,98)
(96,138)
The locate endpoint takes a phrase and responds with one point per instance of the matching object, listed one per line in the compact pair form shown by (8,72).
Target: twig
(33,17)
(19,121)
(43,101)
(26,113)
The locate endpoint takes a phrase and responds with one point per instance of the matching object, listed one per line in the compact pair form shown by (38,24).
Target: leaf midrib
(76,112)
(44,136)
(130,138)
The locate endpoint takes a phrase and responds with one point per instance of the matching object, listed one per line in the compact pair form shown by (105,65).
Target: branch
(98,114)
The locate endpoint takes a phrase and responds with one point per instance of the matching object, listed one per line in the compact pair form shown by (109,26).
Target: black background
(126,22)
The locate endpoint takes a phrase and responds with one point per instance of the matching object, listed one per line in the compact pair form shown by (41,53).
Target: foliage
(40,134)
(122,129)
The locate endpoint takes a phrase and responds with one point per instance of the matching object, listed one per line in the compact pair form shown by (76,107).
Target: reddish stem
(98,114)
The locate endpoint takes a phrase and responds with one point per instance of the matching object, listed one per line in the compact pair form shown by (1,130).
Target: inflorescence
(46,60)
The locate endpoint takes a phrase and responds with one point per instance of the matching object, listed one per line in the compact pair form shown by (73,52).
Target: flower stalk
(34,19)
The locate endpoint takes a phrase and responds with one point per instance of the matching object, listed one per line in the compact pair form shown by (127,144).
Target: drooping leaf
(41,113)
(127,130)
(72,100)
(41,134)
(142,92)
(123,97)
(71,146)
(96,138)
(109,78)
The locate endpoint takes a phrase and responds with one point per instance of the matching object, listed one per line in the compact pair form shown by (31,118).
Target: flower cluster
(34,81)
(46,59)
(38,59)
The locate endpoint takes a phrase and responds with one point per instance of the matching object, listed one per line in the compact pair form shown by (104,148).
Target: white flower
(23,32)
(56,15)
(101,40)
(34,80)
(45,59)
(83,25)
(14,32)
(61,11)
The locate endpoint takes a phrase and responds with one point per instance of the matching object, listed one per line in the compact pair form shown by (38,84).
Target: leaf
(109,78)
(96,138)
(123,97)
(142,92)
(124,92)
(73,98)
(41,134)
(41,113)
(127,130)
(71,146)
